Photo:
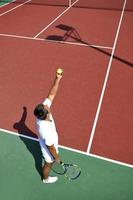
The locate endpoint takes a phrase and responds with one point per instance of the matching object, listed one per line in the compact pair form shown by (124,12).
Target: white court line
(62,42)
(70,149)
(19,36)
(7,3)
(105,81)
(55,19)
(81,44)
(14,8)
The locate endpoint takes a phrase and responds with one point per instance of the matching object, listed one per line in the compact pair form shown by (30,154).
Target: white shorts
(45,152)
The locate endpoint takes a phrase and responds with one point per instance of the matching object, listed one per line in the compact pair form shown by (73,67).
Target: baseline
(70,149)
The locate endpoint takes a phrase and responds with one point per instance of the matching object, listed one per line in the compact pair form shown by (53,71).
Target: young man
(47,134)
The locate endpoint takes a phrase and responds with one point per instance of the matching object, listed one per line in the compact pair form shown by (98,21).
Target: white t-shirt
(47,133)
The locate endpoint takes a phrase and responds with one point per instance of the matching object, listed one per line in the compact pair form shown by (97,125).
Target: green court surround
(20,160)
(2,2)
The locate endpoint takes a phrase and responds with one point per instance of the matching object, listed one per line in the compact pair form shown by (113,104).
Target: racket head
(58,168)
(72,171)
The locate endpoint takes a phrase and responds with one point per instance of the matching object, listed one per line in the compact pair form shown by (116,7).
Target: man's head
(40,111)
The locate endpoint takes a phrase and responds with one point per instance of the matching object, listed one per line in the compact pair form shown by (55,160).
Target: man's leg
(46,169)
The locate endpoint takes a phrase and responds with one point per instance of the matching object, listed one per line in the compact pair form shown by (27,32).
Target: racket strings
(73,172)
(69,170)
(58,168)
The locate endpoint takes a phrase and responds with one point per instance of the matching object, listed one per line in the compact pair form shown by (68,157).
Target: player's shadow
(32,145)
(70,33)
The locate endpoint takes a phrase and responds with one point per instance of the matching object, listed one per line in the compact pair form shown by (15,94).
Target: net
(41,2)
(90,4)
(102,4)
(52,2)
(46,2)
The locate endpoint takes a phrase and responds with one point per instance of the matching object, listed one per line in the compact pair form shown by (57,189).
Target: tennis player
(46,129)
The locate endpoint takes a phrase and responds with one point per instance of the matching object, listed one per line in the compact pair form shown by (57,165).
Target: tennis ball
(59,71)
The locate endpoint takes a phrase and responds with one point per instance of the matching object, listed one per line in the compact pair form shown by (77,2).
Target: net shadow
(72,33)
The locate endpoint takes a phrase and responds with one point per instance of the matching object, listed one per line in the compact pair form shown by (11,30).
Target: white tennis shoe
(50,179)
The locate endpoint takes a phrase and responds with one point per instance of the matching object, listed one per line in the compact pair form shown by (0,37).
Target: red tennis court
(93,43)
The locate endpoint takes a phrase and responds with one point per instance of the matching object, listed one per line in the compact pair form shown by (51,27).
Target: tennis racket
(71,171)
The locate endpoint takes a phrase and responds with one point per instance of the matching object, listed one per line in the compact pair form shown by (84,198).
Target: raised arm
(54,88)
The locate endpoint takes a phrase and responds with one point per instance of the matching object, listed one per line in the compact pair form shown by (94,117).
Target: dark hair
(40,112)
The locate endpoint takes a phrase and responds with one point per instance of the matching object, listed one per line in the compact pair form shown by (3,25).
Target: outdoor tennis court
(92,42)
